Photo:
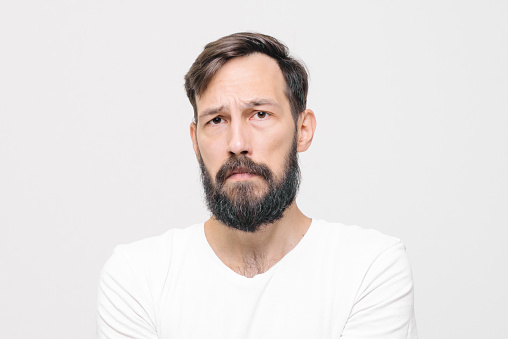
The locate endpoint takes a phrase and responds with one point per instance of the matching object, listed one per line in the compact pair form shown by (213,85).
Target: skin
(244,110)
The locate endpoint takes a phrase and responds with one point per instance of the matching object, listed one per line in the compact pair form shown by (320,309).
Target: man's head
(217,53)
(246,134)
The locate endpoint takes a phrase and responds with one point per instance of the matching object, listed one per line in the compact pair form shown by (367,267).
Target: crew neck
(227,272)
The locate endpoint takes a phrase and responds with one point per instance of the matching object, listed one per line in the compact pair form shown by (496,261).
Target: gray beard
(238,207)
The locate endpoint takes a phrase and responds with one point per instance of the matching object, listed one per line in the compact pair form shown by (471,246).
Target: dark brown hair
(217,53)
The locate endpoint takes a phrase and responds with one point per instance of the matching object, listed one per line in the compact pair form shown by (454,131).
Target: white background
(411,99)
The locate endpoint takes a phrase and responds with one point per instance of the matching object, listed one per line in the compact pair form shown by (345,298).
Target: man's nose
(239,138)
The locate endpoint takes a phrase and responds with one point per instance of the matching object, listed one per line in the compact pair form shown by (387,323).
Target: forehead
(245,79)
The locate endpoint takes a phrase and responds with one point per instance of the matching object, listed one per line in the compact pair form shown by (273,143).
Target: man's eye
(216,120)
(261,114)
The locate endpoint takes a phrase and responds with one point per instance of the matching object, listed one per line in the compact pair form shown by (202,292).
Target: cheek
(210,156)
(277,149)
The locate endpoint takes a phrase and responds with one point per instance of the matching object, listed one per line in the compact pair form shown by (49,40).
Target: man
(258,268)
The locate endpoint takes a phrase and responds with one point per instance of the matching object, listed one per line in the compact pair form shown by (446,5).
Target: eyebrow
(259,102)
(253,103)
(212,110)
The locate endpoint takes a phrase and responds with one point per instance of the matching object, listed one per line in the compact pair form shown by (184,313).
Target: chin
(244,191)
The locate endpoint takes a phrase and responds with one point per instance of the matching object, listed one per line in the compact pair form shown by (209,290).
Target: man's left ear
(306,126)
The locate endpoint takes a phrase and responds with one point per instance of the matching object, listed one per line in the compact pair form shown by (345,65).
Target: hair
(217,53)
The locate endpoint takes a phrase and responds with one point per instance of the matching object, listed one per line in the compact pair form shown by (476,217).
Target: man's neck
(250,254)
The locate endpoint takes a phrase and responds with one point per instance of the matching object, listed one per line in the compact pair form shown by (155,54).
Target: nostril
(244,152)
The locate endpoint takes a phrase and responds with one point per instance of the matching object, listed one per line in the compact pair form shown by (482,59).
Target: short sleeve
(123,304)
(383,307)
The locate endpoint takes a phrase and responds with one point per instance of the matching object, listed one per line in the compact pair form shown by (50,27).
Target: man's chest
(283,305)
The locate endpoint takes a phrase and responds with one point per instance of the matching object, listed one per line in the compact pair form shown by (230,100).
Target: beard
(238,205)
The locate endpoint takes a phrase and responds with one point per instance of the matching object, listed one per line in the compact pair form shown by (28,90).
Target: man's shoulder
(168,238)
(153,250)
(339,231)
(343,238)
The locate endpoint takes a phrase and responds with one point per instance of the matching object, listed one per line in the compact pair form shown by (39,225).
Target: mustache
(236,164)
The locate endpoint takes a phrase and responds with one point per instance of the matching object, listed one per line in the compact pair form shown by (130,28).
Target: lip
(240,174)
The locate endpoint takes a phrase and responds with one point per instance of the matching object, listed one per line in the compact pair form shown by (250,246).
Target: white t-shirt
(339,281)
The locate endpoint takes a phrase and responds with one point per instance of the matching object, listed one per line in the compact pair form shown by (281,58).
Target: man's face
(245,141)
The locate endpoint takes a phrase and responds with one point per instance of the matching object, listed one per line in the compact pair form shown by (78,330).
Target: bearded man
(259,267)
